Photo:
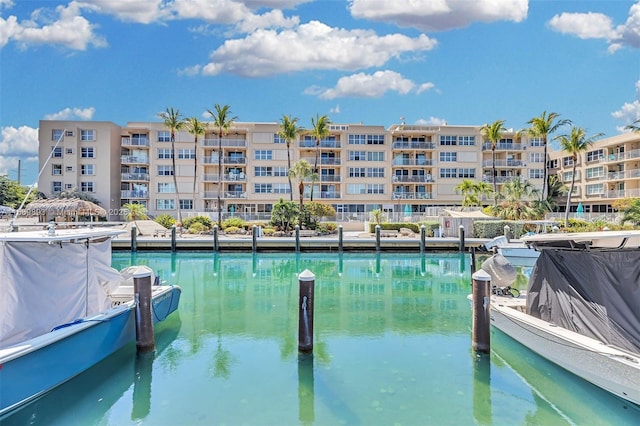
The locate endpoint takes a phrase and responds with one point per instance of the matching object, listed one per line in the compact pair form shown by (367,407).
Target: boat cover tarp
(43,286)
(594,293)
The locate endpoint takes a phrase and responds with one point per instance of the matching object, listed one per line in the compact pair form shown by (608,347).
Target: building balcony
(504,147)
(225,142)
(134,159)
(413,145)
(330,178)
(416,179)
(323,144)
(137,142)
(411,196)
(134,194)
(413,162)
(330,195)
(135,176)
(503,163)
(499,179)
(225,160)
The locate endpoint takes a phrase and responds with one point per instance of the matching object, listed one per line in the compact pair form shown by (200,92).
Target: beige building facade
(404,169)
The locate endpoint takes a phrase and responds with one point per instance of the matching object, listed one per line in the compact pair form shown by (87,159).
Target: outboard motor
(502,272)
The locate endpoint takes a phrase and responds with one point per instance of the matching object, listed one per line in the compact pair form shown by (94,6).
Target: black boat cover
(592,292)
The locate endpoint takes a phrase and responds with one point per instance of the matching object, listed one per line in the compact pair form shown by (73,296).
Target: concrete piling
(481,304)
(306,281)
(145,339)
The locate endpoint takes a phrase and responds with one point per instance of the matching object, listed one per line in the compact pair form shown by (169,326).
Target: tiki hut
(63,209)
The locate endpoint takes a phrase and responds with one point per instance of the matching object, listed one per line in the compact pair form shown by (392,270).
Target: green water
(392,347)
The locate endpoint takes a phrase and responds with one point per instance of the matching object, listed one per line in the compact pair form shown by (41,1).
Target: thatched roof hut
(67,208)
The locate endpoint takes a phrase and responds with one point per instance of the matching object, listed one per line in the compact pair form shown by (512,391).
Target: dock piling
(306,281)
(216,242)
(173,238)
(254,238)
(461,248)
(423,231)
(481,301)
(134,238)
(377,237)
(297,232)
(145,339)
(340,238)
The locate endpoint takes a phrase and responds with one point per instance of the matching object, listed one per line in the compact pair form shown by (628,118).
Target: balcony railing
(330,194)
(504,146)
(330,178)
(134,159)
(499,179)
(420,179)
(411,195)
(134,194)
(323,144)
(134,176)
(413,145)
(502,163)
(226,142)
(225,160)
(134,142)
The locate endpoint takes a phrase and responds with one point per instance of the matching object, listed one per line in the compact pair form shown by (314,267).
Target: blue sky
(466,62)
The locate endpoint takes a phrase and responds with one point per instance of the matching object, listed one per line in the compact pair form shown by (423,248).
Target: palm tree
(472,192)
(174,121)
(135,211)
(320,130)
(289,131)
(301,171)
(542,127)
(493,133)
(518,201)
(575,143)
(634,127)
(196,127)
(222,121)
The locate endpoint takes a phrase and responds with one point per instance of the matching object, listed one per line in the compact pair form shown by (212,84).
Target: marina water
(392,346)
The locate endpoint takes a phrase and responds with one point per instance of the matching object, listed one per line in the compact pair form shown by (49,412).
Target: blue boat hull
(68,351)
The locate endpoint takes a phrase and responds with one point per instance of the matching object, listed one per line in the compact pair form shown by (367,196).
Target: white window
(536,142)
(280,171)
(466,173)
(567,161)
(165,170)
(87,135)
(375,188)
(567,176)
(448,172)
(595,172)
(536,157)
(57,152)
(357,139)
(56,186)
(281,188)
(186,204)
(164,136)
(375,156)
(356,188)
(536,173)
(87,152)
(375,172)
(263,154)
(262,188)
(448,140)
(594,189)
(278,139)
(165,204)
(263,171)
(56,169)
(450,157)
(357,156)
(166,187)
(357,172)
(68,151)
(596,155)
(86,169)
(466,140)
(69,168)
(165,153)
(186,154)
(86,186)
(56,134)
(375,139)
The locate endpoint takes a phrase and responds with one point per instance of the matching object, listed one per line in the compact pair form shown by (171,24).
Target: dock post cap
(306,275)
(481,275)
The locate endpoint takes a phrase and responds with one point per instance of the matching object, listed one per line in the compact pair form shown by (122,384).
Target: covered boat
(63,308)
(582,307)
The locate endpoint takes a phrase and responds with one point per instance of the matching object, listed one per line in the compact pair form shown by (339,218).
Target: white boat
(517,251)
(582,307)
(63,308)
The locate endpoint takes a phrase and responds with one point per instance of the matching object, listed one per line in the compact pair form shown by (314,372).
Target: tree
(378,216)
(196,127)
(493,133)
(300,171)
(574,143)
(12,194)
(313,211)
(472,192)
(634,127)
(542,127)
(135,211)
(631,212)
(517,203)
(222,121)
(174,121)
(284,214)
(320,130)
(289,131)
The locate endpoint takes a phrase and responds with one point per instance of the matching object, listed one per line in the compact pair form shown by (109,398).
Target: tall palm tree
(575,143)
(289,131)
(135,211)
(301,171)
(174,121)
(472,192)
(222,121)
(634,127)
(542,127)
(196,127)
(519,199)
(320,130)
(493,133)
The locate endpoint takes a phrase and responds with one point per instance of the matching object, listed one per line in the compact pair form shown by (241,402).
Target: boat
(581,309)
(517,251)
(64,308)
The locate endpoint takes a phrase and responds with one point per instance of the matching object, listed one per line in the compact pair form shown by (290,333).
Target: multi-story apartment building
(360,167)
(608,170)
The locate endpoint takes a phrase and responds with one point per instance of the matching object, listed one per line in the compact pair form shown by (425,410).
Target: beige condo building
(402,169)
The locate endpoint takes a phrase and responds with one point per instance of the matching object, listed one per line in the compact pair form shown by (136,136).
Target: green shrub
(233,221)
(166,220)
(197,228)
(203,220)
(233,230)
(268,232)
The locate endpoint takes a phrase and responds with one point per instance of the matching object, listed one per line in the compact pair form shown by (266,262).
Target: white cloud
(18,142)
(310,46)
(439,15)
(370,86)
(431,121)
(335,110)
(218,11)
(630,111)
(72,114)
(69,29)
(599,26)
(271,19)
(143,12)
(274,4)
